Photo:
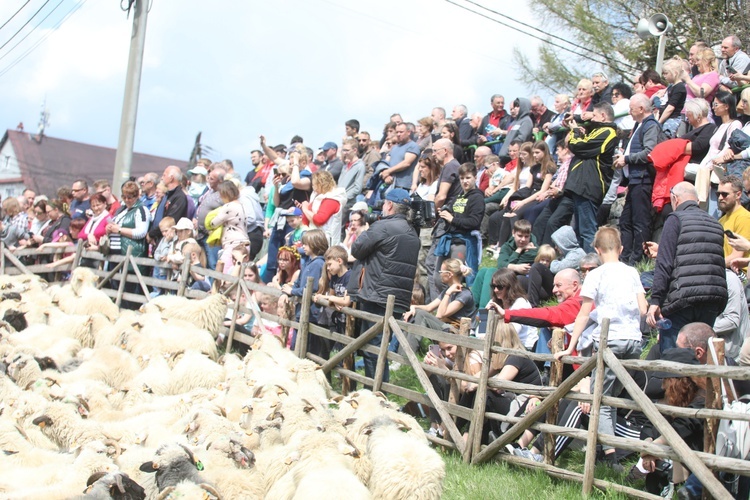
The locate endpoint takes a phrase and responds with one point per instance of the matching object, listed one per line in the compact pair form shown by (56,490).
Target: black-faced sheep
(112,485)
(173,464)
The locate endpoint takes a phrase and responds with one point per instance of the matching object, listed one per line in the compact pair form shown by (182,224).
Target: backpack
(733,436)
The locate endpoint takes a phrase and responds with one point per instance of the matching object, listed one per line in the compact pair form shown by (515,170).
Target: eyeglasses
(498,286)
(587,269)
(718,103)
(445,272)
(615,94)
(75,190)
(722,194)
(127,197)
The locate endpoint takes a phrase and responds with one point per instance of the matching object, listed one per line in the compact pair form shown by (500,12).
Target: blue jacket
(314,270)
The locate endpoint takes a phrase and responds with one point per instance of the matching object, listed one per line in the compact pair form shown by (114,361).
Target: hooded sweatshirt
(570,253)
(521,128)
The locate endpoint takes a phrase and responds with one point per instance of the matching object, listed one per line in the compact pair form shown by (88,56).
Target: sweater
(557,316)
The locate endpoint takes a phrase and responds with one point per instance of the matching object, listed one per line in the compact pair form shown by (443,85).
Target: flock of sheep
(101,403)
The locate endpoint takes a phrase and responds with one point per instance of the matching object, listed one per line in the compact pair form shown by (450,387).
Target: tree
(601,35)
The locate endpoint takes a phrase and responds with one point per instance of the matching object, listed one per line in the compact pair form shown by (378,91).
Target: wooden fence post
(590,462)
(300,348)
(238,298)
(382,363)
(77,258)
(184,275)
(555,377)
(346,383)
(476,427)
(123,277)
(2,257)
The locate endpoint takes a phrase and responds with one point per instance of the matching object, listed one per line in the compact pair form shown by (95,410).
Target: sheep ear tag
(199,465)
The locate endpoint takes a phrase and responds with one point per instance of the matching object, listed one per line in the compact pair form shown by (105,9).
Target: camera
(423,211)
(376,214)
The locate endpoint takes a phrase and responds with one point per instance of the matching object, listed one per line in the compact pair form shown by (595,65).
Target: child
(518,254)
(540,280)
(288,262)
(163,249)
(268,304)
(194,253)
(616,291)
(184,231)
(333,286)
(545,255)
(294,237)
(315,245)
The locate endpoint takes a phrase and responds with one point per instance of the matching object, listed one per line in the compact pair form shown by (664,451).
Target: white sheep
(402,467)
(207,313)
(86,298)
(194,370)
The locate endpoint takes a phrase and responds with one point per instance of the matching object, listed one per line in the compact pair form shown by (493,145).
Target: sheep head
(43,421)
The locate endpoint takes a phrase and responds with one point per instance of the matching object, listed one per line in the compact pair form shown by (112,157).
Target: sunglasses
(497,286)
(722,194)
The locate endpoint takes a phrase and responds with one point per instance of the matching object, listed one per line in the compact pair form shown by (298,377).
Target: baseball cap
(329,145)
(359,206)
(398,195)
(199,170)
(183,223)
(294,211)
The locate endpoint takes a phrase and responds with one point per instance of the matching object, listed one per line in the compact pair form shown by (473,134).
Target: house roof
(50,163)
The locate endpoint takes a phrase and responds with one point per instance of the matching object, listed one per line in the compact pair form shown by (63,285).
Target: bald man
(567,289)
(690,283)
(174,203)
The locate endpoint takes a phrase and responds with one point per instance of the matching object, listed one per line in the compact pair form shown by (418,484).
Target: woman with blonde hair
(324,210)
(706,82)
(425,126)
(454,303)
(13,227)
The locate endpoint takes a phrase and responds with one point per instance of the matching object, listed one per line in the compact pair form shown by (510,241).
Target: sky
(238,69)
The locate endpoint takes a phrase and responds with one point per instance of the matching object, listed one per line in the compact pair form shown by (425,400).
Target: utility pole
(124,158)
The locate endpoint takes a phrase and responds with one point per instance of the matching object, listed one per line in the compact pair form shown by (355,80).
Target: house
(44,164)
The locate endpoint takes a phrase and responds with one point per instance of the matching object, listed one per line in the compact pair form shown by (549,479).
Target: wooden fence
(705,465)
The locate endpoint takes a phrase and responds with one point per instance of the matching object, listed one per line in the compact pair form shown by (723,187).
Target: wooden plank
(437,403)
(454,392)
(348,360)
(575,476)
(360,341)
(184,272)
(687,456)
(382,363)
(557,344)
(139,278)
(109,275)
(13,260)
(536,413)
(590,460)
(77,258)
(440,336)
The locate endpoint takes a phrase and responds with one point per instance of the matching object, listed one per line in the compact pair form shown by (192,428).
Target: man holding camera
(388,253)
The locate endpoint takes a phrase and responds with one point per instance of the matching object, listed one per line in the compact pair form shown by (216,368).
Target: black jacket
(468,211)
(690,264)
(590,171)
(175,206)
(388,252)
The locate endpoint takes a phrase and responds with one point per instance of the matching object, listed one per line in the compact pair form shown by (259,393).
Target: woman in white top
(426,176)
(507,293)
(743,107)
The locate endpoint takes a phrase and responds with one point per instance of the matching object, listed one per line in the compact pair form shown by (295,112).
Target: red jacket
(669,159)
(557,316)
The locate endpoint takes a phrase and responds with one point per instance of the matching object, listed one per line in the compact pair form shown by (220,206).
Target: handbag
(104,245)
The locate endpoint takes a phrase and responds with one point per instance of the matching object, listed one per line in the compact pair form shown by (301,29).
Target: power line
(30,32)
(43,39)
(24,24)
(515,28)
(14,15)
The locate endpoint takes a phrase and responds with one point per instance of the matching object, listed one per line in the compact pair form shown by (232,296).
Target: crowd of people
(567,201)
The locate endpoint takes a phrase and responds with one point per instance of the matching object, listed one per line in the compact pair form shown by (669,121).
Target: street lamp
(656,25)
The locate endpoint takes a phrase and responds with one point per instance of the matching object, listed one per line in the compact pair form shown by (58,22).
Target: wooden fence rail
(128,269)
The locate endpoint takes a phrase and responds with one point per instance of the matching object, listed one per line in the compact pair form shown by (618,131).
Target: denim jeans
(692,314)
(622,349)
(585,212)
(275,242)
(371,359)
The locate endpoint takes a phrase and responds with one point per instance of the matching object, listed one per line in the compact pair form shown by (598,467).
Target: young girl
(540,280)
(288,261)
(534,192)
(508,293)
(185,234)
(454,303)
(197,257)
(545,255)
(233,219)
(315,244)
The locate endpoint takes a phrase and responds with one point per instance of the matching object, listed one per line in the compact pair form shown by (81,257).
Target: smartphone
(435,350)
(729,233)
(274,171)
(731,70)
